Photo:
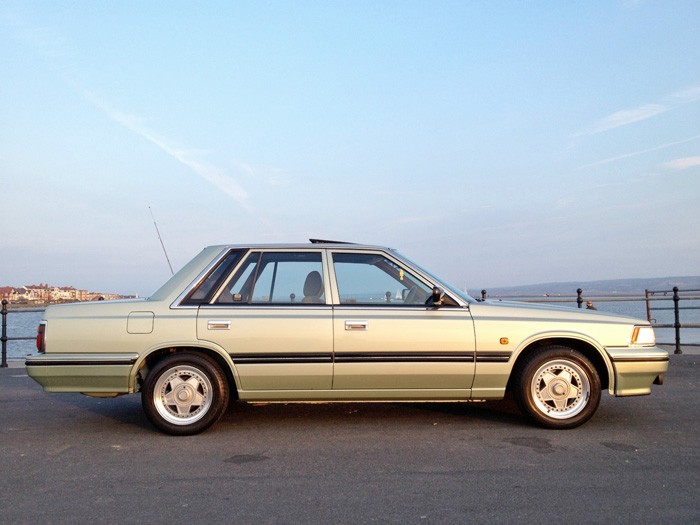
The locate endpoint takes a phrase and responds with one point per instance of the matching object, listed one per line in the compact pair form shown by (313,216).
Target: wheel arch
(149,358)
(590,349)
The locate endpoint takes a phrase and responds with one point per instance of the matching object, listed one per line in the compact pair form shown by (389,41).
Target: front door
(387,333)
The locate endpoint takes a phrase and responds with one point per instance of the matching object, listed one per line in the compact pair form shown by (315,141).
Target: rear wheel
(185,394)
(557,387)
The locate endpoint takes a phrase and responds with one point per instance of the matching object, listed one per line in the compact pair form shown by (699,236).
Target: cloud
(687,95)
(213,174)
(682,164)
(207,171)
(54,48)
(624,117)
(629,116)
(635,153)
(271,175)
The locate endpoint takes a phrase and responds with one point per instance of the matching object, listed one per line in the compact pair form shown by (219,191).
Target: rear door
(272,317)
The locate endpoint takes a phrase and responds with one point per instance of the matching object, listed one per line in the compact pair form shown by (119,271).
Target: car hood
(550,311)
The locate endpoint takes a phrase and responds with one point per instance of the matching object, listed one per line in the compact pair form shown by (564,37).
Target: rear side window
(217,275)
(280,278)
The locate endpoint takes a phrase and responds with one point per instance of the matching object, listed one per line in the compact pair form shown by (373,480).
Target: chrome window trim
(263,251)
(330,283)
(396,258)
(202,275)
(230,276)
(461,302)
(275,306)
(390,307)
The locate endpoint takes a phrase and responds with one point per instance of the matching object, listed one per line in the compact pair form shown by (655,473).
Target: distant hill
(608,287)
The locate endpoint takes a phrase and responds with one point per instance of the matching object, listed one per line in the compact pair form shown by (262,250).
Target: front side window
(280,278)
(372,279)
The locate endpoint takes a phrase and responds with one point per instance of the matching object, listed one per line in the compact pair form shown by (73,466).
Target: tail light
(41,337)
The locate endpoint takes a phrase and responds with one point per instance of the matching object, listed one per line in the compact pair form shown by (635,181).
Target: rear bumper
(636,369)
(91,373)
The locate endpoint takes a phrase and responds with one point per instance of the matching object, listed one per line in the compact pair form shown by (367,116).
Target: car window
(277,278)
(207,288)
(453,289)
(373,279)
(237,290)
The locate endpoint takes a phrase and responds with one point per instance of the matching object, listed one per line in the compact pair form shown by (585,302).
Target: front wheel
(185,394)
(557,387)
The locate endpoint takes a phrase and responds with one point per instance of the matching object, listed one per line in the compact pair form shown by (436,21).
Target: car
(330,321)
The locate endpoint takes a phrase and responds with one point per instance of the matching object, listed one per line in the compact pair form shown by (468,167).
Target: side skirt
(355,395)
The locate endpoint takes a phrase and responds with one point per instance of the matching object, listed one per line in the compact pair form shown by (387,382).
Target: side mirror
(438,294)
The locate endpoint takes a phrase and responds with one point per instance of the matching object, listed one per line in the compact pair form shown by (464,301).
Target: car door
(272,317)
(387,337)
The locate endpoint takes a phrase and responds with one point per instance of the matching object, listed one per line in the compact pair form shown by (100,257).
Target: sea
(23,324)
(661,313)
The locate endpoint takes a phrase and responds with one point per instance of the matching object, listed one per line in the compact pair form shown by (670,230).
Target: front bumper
(636,369)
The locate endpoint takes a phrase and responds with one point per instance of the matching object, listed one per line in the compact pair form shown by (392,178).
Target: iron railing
(4,337)
(677,298)
(650,297)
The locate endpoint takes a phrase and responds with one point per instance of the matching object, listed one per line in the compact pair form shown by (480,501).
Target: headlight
(643,336)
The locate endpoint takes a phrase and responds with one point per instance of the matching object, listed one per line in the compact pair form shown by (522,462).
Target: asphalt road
(66,458)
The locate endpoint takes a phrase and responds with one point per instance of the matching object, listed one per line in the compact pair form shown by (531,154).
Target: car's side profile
(336,322)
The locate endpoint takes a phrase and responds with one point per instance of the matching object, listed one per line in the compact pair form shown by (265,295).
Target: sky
(496,143)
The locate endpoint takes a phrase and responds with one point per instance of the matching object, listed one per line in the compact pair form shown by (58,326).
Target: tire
(185,394)
(557,387)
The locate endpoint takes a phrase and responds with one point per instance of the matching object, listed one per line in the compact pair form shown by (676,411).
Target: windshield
(456,291)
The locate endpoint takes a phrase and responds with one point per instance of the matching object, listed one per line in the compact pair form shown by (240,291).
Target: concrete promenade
(67,458)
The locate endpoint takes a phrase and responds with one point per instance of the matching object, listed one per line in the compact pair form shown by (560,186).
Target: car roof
(315,243)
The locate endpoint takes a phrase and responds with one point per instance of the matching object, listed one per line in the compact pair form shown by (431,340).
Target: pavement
(685,349)
(67,458)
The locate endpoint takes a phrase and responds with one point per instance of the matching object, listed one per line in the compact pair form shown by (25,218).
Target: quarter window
(207,288)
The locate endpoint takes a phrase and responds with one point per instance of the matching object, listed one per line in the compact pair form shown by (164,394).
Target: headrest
(313,285)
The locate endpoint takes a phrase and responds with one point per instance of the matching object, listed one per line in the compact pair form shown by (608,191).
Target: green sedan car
(330,321)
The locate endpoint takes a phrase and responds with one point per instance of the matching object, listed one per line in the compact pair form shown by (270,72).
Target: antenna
(161,241)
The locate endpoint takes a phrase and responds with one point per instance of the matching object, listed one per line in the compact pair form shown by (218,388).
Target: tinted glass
(277,278)
(206,289)
(374,279)
(237,290)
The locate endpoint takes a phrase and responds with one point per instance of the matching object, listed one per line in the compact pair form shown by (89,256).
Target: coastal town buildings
(43,293)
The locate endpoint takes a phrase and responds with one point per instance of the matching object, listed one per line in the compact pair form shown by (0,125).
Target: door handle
(356,325)
(219,325)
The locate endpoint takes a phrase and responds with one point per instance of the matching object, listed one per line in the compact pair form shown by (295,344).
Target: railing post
(579,299)
(646,294)
(677,322)
(4,334)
